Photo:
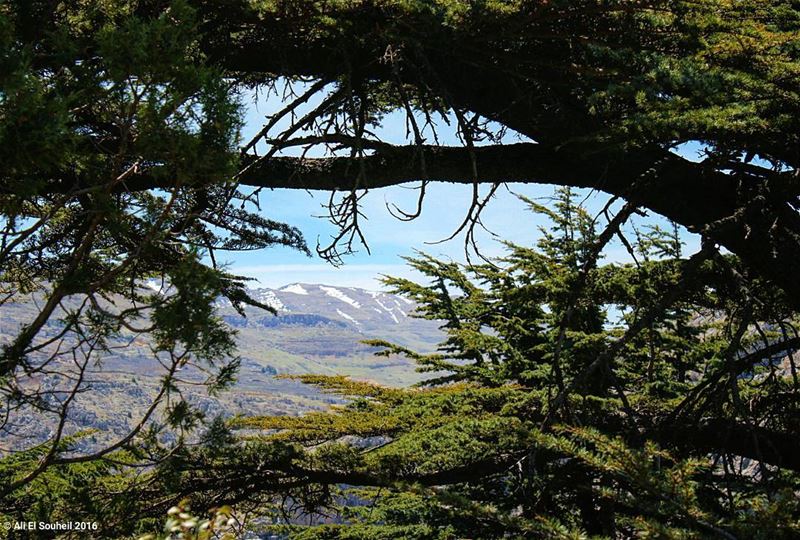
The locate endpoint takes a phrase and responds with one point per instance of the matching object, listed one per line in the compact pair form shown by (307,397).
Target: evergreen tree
(91,95)
(545,416)
(563,423)
(121,164)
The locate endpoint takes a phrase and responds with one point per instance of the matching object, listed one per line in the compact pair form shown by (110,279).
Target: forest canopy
(122,164)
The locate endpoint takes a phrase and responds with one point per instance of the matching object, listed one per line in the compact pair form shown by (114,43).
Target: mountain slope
(318,329)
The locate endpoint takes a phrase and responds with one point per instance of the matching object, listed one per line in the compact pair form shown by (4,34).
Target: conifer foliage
(91,95)
(570,399)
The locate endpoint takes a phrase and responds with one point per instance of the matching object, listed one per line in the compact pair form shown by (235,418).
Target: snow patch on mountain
(382,304)
(390,310)
(268,297)
(294,288)
(346,316)
(339,295)
(399,307)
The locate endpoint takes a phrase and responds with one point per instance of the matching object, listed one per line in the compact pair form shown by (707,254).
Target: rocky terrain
(317,329)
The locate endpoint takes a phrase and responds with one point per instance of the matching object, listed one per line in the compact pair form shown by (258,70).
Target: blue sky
(389,238)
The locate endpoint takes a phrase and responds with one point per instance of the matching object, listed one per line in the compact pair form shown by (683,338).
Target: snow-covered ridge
(268,297)
(339,295)
(378,294)
(346,316)
(361,309)
(294,288)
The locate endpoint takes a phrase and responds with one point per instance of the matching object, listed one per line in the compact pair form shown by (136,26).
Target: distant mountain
(364,310)
(359,313)
(317,329)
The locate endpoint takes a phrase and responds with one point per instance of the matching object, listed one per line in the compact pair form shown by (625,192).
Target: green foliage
(511,438)
(95,99)
(65,493)
(615,72)
(570,399)
(182,524)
